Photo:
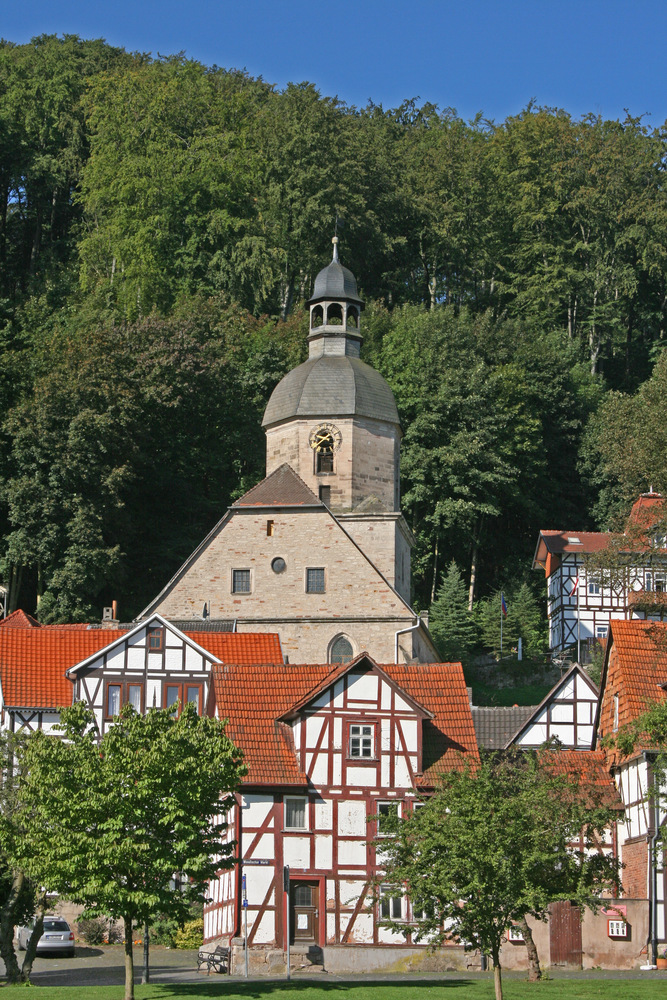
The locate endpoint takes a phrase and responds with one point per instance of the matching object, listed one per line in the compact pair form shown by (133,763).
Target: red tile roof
(254,700)
(563,541)
(635,668)
(590,767)
(19,619)
(33,661)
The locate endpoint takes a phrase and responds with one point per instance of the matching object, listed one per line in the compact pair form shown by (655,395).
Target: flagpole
(501,624)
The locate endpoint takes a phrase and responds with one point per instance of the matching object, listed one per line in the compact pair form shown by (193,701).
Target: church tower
(334,420)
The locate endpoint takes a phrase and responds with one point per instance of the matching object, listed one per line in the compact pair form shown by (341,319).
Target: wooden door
(565,935)
(304,918)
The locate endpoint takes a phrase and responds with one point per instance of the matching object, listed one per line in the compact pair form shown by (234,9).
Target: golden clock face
(325,438)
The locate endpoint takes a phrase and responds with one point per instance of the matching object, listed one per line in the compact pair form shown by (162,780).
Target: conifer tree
(452,625)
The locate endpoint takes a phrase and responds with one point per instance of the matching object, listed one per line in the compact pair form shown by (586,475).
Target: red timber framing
(328,842)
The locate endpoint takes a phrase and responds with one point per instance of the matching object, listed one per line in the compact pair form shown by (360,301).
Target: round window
(278,565)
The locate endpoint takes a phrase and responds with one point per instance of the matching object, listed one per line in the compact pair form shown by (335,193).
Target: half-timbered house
(634,675)
(580,605)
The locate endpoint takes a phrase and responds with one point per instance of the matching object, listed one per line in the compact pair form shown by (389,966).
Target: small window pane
(134,696)
(315,581)
(361,741)
(391,903)
(295,814)
(193,696)
(155,639)
(113,699)
(387,811)
(303,895)
(173,695)
(241,581)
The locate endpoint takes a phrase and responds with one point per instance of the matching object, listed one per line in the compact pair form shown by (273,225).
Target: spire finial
(335,250)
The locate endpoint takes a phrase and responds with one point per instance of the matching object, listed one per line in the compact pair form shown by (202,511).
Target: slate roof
(335,282)
(495,726)
(331,386)
(282,488)
(254,701)
(635,668)
(33,660)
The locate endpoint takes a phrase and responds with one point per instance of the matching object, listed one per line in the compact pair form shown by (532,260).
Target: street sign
(256,861)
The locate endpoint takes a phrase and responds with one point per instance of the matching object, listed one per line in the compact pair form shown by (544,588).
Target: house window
(594,589)
(601,631)
(155,639)
(114,695)
(341,650)
(391,903)
(387,815)
(361,741)
(182,694)
(240,581)
(119,694)
(295,813)
(315,581)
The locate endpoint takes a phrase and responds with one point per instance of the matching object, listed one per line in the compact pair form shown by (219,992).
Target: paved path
(104,966)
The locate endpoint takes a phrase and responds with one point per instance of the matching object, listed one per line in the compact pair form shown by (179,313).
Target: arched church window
(316,317)
(341,650)
(334,314)
(352,318)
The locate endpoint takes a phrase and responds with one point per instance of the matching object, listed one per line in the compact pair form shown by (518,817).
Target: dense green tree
(113,819)
(495,844)
(451,623)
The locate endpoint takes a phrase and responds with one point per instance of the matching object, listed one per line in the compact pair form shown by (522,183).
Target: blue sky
(474,55)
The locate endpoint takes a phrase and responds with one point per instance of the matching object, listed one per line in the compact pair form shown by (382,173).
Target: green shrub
(93,930)
(164,931)
(190,935)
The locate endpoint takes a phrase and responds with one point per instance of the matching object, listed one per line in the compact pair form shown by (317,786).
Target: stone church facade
(319,551)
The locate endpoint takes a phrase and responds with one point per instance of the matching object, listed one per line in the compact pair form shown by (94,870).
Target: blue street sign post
(245,921)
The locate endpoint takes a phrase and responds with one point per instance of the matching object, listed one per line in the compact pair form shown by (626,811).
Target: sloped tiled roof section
(557,542)
(19,619)
(254,701)
(33,662)
(283,488)
(590,769)
(635,670)
(495,726)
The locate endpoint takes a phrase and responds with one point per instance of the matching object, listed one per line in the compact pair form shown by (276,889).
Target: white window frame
(361,737)
(390,895)
(387,803)
(303,799)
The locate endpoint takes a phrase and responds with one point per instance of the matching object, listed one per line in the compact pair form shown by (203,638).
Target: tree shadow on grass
(252,990)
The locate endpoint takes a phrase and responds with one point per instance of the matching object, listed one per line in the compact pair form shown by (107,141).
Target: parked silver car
(57,936)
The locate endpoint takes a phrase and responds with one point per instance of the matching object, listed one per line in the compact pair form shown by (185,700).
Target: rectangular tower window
(315,581)
(240,581)
(325,495)
(269,528)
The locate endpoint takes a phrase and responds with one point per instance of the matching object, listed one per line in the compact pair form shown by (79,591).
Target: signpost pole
(245,923)
(287,926)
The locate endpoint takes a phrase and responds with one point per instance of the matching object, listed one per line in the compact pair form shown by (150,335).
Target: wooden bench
(215,961)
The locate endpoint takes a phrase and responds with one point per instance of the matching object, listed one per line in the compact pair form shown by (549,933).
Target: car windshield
(56,925)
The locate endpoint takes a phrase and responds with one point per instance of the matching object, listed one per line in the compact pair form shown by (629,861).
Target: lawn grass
(478,988)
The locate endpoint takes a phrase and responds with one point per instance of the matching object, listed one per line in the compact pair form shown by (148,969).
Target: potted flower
(661,960)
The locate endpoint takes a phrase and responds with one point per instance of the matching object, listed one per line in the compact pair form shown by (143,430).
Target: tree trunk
(129,959)
(288,295)
(535,972)
(7,924)
(435,570)
(31,950)
(146,974)
(497,975)
(473,564)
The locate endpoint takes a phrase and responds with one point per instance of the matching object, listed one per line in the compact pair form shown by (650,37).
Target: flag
(574,588)
(503,606)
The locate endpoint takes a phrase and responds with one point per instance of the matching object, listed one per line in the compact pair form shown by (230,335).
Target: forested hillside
(160,226)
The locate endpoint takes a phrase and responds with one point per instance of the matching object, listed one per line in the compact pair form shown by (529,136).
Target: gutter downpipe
(653,870)
(404,631)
